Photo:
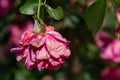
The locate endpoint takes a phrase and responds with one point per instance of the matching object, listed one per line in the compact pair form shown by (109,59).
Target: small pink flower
(17,29)
(109,47)
(47,50)
(5,5)
(110,73)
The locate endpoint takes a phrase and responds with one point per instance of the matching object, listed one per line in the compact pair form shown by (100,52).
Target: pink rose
(47,50)
(110,73)
(109,47)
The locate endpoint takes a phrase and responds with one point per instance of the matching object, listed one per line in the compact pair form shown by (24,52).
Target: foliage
(95,15)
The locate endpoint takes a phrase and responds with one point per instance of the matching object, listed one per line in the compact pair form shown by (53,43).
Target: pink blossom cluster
(109,47)
(47,50)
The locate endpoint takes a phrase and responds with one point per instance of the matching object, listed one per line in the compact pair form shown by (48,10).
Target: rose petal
(42,54)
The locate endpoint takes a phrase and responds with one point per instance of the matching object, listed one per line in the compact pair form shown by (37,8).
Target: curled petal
(15,50)
(19,51)
(58,37)
(51,47)
(40,65)
(38,42)
(26,37)
(19,58)
(28,62)
(50,28)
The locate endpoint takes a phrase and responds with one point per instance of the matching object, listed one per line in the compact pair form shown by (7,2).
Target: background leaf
(94,15)
(30,7)
(55,13)
(116,3)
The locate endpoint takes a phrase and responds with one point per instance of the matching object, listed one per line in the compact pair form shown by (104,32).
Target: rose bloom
(109,47)
(110,73)
(46,50)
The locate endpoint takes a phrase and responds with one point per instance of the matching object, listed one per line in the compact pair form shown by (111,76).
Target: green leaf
(30,7)
(55,13)
(94,15)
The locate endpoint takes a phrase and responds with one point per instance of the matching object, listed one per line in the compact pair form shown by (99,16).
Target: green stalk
(38,11)
(118,36)
(44,1)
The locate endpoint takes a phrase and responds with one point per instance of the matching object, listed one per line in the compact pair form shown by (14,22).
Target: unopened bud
(38,29)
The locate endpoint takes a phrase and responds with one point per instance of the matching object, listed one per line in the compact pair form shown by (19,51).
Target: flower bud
(38,29)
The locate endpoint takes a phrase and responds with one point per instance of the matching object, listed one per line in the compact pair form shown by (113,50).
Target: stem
(38,11)
(118,36)
(44,1)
